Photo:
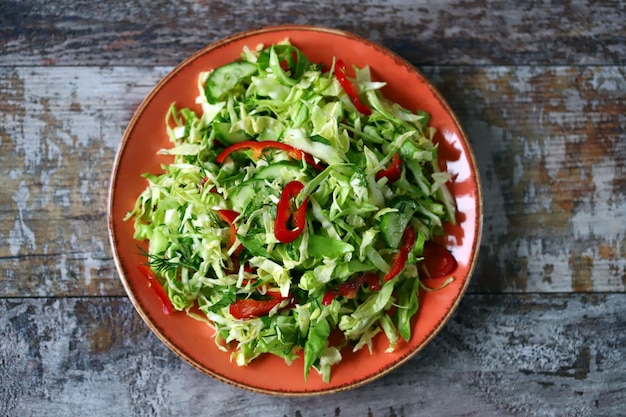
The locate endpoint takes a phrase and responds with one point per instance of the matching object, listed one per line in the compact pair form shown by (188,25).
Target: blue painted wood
(500,355)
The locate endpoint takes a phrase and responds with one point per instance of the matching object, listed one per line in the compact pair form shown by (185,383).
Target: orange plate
(193,340)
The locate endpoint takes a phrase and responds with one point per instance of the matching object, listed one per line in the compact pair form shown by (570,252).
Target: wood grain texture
(81,356)
(551,148)
(60,130)
(504,32)
(550,144)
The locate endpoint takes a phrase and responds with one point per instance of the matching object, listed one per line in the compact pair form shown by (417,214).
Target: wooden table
(541,90)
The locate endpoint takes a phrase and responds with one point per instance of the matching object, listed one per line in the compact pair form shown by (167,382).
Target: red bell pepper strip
(290,62)
(288,216)
(393,172)
(398,261)
(340,73)
(158,289)
(350,288)
(247,308)
(258,148)
(438,261)
(201,184)
(229,217)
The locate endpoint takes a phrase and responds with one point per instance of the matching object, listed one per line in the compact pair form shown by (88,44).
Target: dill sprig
(161,264)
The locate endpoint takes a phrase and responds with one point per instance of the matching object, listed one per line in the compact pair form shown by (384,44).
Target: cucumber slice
(225,78)
(223,133)
(229,181)
(392,224)
(285,170)
(254,191)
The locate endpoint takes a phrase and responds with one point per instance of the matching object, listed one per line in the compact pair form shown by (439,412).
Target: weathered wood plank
(38,32)
(550,144)
(59,131)
(80,356)
(551,147)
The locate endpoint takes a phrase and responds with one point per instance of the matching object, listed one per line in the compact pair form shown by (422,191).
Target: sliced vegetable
(438,261)
(398,262)
(349,289)
(325,247)
(248,192)
(408,304)
(278,170)
(393,172)
(340,73)
(290,220)
(248,307)
(223,79)
(258,148)
(158,289)
(224,134)
(316,342)
(394,223)
(229,216)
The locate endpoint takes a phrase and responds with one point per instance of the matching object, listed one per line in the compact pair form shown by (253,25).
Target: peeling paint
(59,138)
(21,234)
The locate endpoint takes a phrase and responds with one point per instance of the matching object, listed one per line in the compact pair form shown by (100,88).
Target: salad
(298,213)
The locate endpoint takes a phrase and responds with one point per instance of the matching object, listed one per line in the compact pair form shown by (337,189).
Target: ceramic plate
(192,340)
